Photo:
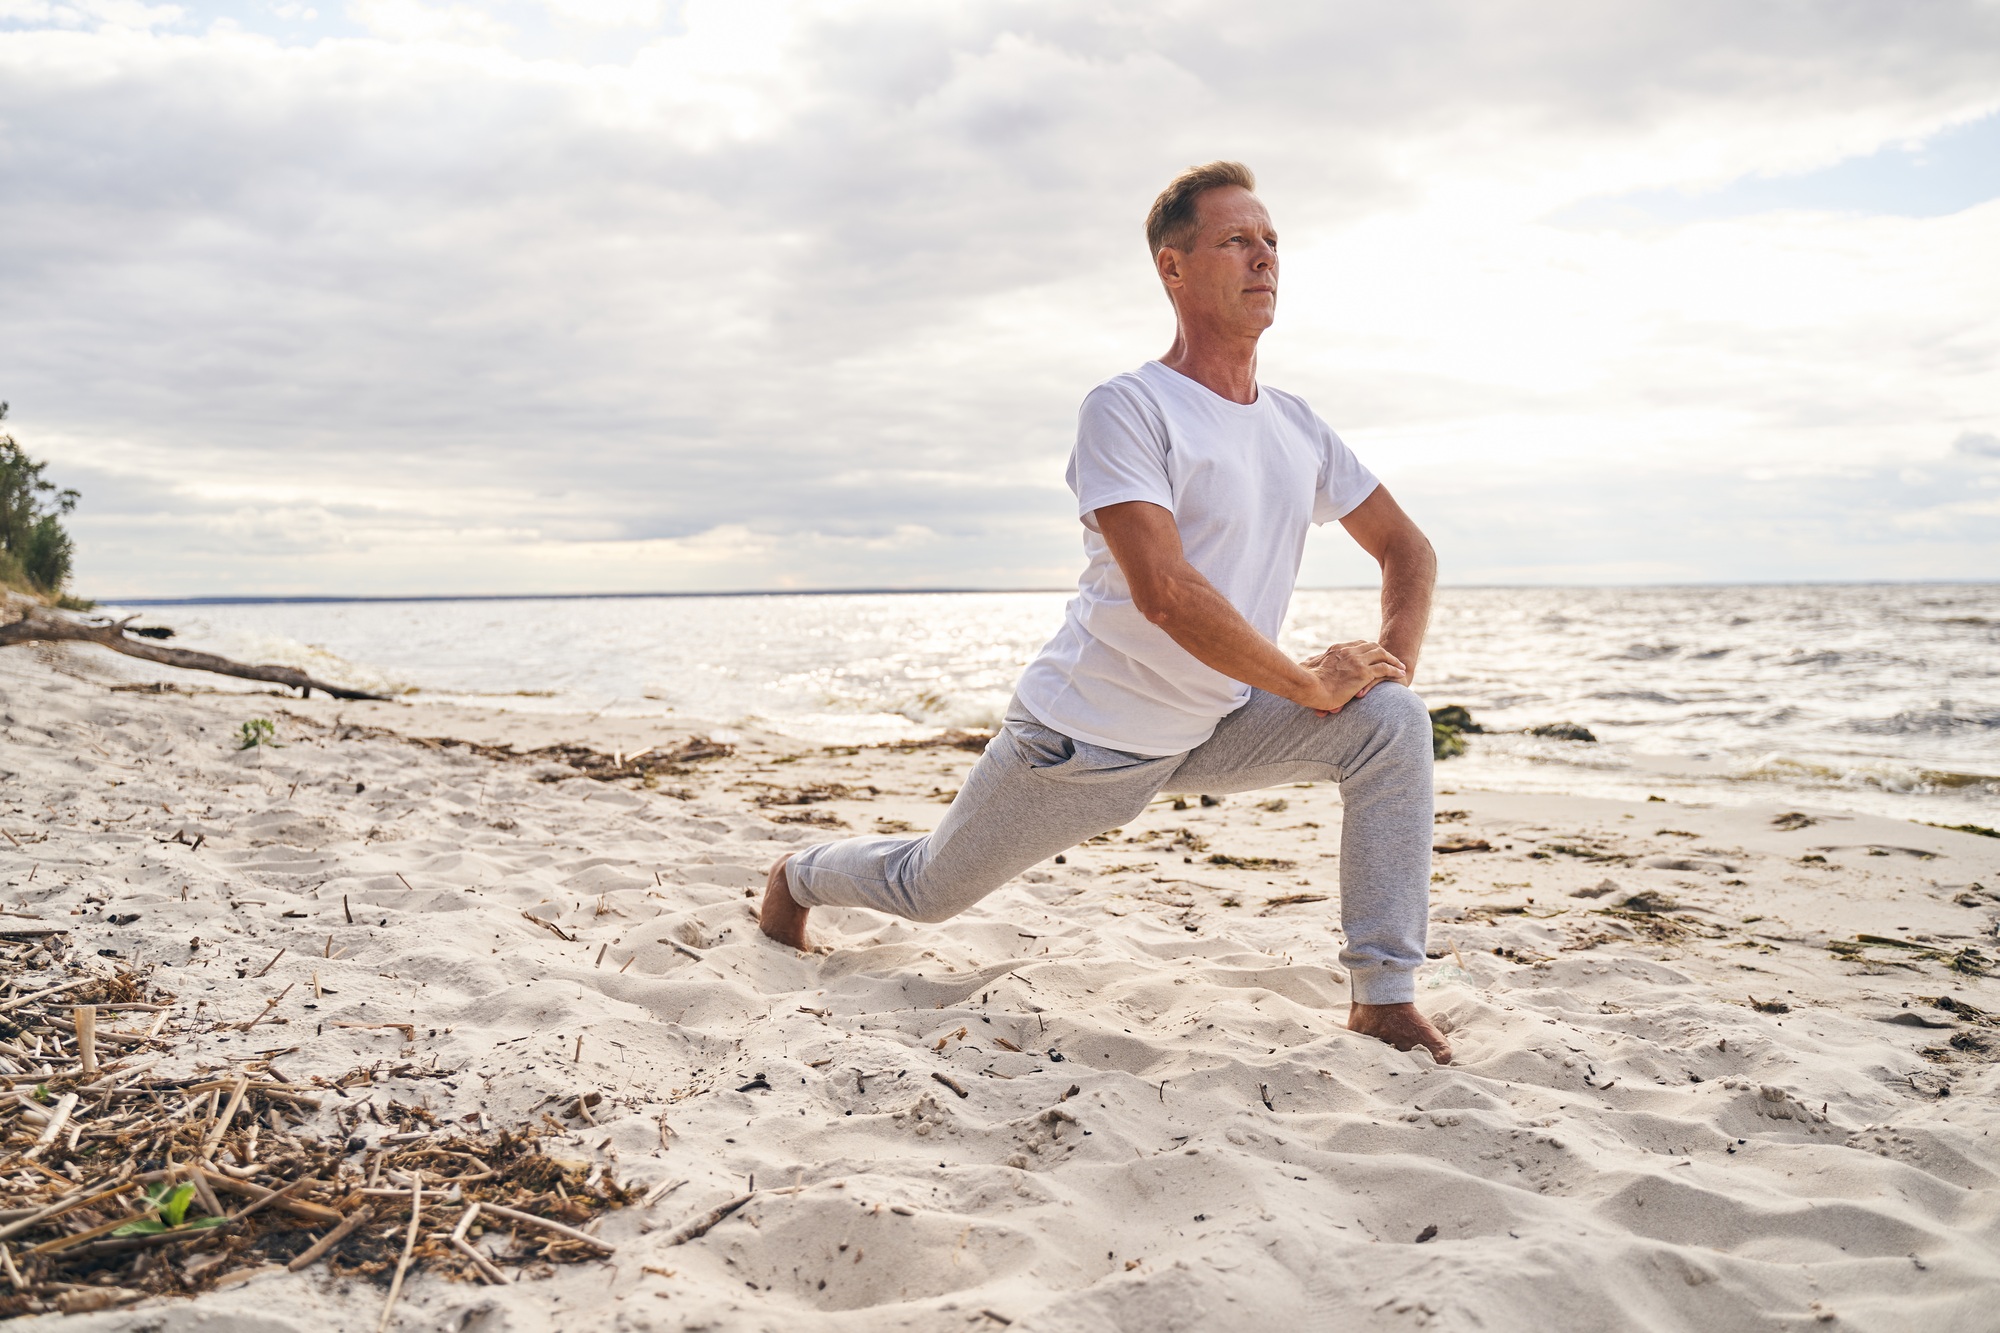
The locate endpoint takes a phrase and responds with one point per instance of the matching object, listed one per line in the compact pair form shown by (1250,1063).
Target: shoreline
(1867,699)
(1689,779)
(280,599)
(1148,1036)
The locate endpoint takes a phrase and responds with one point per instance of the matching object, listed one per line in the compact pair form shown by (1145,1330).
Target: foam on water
(1884,698)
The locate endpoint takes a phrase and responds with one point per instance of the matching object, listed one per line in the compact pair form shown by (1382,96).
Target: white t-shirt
(1243,483)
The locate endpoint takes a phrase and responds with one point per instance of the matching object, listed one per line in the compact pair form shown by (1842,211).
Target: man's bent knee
(1393,708)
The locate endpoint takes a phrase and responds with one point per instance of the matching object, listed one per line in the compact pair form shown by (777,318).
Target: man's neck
(1226,367)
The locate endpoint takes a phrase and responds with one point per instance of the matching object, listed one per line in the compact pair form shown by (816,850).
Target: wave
(1873,774)
(941,708)
(1852,657)
(1943,720)
(1781,716)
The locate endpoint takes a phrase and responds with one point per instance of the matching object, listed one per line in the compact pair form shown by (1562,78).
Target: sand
(1116,1096)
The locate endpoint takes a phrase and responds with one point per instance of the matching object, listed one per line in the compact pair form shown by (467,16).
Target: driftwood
(700,1226)
(41,626)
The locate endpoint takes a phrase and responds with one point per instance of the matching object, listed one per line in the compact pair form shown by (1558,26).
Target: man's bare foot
(1398,1024)
(782,918)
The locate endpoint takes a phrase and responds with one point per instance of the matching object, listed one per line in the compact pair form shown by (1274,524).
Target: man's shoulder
(1289,403)
(1131,385)
(1126,397)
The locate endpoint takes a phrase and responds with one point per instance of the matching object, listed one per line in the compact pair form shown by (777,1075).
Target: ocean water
(1883,698)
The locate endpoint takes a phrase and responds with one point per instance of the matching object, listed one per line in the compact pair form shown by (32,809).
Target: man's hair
(1174,216)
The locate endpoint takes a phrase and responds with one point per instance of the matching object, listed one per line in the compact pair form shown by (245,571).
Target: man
(1195,486)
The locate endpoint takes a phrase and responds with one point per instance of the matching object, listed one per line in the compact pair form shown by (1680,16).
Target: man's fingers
(1379,672)
(1363,650)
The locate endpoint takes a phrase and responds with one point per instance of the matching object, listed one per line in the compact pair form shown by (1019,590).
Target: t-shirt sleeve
(1120,454)
(1344,481)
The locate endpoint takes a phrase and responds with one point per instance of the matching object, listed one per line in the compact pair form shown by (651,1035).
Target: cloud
(1955,169)
(1978,444)
(830,275)
(414,21)
(107,14)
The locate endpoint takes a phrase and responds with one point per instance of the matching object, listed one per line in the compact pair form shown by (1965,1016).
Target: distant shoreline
(315,599)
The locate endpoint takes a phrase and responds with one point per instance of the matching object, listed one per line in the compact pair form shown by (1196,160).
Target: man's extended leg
(1379,750)
(1032,794)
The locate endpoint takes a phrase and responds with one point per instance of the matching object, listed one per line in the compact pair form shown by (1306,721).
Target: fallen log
(41,626)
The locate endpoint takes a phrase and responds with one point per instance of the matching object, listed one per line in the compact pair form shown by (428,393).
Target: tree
(35,552)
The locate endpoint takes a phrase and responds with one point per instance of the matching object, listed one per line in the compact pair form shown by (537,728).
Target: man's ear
(1167,263)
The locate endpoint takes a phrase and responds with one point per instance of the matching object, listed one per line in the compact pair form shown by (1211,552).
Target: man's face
(1228,275)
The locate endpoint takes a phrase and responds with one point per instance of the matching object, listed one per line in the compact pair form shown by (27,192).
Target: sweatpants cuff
(1379,984)
(792,883)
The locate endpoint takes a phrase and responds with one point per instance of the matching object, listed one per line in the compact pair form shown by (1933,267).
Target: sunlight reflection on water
(1877,697)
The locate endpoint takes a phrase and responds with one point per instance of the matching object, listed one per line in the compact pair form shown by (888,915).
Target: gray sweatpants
(1036,792)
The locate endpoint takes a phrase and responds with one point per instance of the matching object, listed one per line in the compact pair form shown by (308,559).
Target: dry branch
(409,1248)
(358,1218)
(485,1266)
(311,1212)
(529,1219)
(86,1039)
(701,1226)
(40,625)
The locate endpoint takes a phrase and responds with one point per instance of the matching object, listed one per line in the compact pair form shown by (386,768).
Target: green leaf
(257,731)
(204,1223)
(174,1209)
(145,1226)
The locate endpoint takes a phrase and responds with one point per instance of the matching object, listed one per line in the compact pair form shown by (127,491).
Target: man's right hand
(1347,671)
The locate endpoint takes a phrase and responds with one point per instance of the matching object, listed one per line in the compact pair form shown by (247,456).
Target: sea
(1875,698)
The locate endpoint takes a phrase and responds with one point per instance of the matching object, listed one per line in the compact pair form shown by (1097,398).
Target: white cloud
(108,14)
(1978,444)
(414,21)
(826,281)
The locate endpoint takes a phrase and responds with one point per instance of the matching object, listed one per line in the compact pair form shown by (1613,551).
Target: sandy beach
(1718,1067)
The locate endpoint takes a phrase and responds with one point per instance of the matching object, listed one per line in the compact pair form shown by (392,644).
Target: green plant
(35,551)
(1449,726)
(257,731)
(171,1203)
(1980,829)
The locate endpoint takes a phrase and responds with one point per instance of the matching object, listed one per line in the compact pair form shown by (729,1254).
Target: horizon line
(269,599)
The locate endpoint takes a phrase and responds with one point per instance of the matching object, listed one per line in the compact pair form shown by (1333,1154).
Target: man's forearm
(1409,578)
(1201,620)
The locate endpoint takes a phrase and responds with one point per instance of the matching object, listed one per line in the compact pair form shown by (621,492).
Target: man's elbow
(1162,602)
(1412,553)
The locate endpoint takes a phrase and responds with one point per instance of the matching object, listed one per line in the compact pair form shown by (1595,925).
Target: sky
(409,297)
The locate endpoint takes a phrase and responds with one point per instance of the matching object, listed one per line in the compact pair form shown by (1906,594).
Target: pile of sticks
(117,1184)
(653,762)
